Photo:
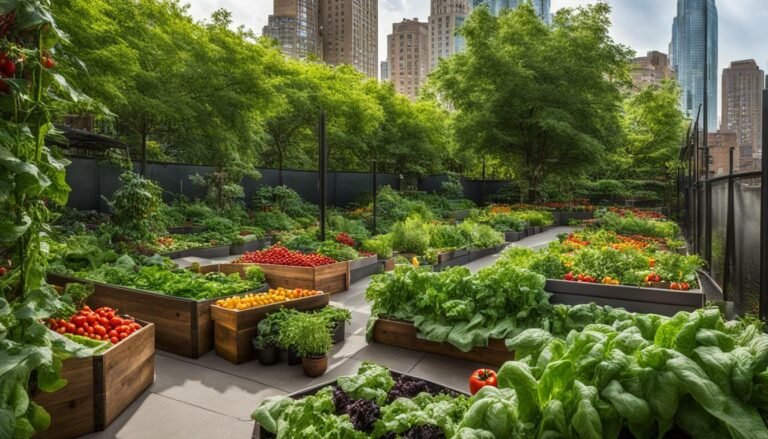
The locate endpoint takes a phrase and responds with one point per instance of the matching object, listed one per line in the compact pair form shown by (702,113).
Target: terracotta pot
(314,366)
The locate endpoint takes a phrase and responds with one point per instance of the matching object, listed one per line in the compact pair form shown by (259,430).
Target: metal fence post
(729,229)
(764,216)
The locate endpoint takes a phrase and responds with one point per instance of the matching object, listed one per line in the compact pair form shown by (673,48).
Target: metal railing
(725,220)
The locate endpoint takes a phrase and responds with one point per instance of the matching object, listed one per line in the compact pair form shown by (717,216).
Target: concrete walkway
(211,398)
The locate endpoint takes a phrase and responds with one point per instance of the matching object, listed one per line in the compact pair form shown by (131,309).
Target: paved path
(211,398)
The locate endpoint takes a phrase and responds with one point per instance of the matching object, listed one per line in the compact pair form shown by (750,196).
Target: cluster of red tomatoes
(99,324)
(580,278)
(9,64)
(344,238)
(279,255)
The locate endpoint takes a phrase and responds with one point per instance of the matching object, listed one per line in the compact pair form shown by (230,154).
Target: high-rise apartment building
(720,144)
(650,69)
(349,31)
(384,71)
(408,56)
(688,49)
(445,18)
(542,7)
(294,24)
(742,110)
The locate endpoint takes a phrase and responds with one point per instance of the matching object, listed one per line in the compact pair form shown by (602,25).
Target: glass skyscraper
(542,7)
(687,57)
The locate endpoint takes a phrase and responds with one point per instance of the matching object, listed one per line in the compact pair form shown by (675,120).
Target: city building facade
(408,53)
(445,18)
(688,49)
(542,7)
(651,69)
(720,144)
(742,110)
(349,32)
(294,24)
(384,76)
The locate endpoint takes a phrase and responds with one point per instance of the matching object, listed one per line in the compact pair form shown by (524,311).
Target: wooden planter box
(451,259)
(404,335)
(182,326)
(563,218)
(185,230)
(219,251)
(364,267)
(482,253)
(634,299)
(101,387)
(514,236)
(260,433)
(250,246)
(234,330)
(389,264)
(332,278)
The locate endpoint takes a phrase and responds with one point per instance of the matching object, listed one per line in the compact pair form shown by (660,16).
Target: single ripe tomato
(114,340)
(123,335)
(80,331)
(115,322)
(112,333)
(122,328)
(71,328)
(481,378)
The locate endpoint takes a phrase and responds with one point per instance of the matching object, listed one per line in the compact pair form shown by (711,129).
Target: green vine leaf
(10,232)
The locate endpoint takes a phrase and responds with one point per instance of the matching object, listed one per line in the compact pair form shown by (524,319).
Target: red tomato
(103,321)
(92,317)
(100,330)
(135,326)
(97,337)
(71,328)
(122,328)
(481,378)
(112,333)
(61,329)
(115,322)
(87,308)
(89,330)
(123,335)
(110,315)
(79,320)
(80,331)
(114,340)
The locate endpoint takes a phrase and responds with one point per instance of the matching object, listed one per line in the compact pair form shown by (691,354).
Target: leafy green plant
(308,334)
(335,315)
(255,275)
(381,245)
(410,236)
(479,236)
(135,207)
(339,252)
(443,236)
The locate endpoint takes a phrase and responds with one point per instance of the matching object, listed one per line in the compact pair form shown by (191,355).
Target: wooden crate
(234,330)
(404,335)
(485,252)
(634,299)
(101,387)
(332,278)
(364,267)
(183,326)
(219,251)
(389,264)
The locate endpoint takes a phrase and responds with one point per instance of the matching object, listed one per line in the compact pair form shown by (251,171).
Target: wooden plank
(332,278)
(598,292)
(238,320)
(234,346)
(122,373)
(404,335)
(71,408)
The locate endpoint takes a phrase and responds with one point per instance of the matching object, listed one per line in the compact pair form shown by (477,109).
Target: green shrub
(443,236)
(309,334)
(410,236)
(339,252)
(381,245)
(273,221)
(355,228)
(480,235)
(135,207)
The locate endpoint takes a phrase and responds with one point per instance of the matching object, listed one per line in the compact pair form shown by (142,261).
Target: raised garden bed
(250,246)
(514,236)
(183,326)
(405,335)
(563,218)
(234,329)
(185,230)
(634,299)
(389,264)
(101,387)
(219,251)
(364,267)
(451,259)
(332,278)
(261,433)
(482,253)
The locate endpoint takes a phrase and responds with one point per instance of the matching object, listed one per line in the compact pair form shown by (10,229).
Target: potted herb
(336,319)
(313,342)
(266,342)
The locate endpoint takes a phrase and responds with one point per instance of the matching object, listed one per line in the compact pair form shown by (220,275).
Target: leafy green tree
(545,99)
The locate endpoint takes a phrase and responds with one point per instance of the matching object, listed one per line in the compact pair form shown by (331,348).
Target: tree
(543,98)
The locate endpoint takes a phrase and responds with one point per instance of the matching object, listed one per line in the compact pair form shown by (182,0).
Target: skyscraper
(408,52)
(687,56)
(445,18)
(742,110)
(294,26)
(384,71)
(542,7)
(650,69)
(349,31)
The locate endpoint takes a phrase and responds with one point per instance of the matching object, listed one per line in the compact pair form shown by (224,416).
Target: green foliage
(135,207)
(479,236)
(392,207)
(534,217)
(381,245)
(452,188)
(444,236)
(629,224)
(355,228)
(410,236)
(339,252)
(508,90)
(308,334)
(273,221)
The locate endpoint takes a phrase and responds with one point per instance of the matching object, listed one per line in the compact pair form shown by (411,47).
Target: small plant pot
(314,366)
(268,356)
(293,357)
(339,333)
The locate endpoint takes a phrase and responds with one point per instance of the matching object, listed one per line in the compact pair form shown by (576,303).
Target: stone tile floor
(211,398)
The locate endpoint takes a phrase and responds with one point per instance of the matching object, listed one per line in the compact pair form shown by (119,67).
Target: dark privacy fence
(726,221)
(94,180)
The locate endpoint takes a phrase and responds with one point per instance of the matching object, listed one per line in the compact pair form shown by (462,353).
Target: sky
(643,25)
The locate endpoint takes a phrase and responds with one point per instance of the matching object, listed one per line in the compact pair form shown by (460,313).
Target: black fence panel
(719,222)
(744,284)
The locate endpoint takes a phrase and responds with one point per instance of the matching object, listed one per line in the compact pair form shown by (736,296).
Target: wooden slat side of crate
(72,407)
(404,335)
(332,278)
